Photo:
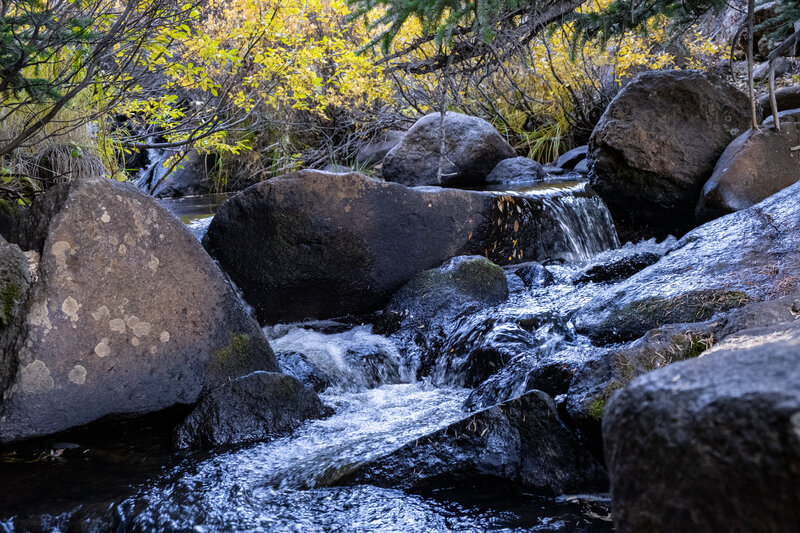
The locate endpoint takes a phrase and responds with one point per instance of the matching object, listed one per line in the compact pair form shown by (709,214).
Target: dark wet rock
(724,422)
(298,366)
(569,159)
(786,98)
(761,315)
(191,176)
(753,251)
(460,283)
(521,441)
(635,319)
(472,148)
(480,347)
(657,143)
(756,165)
(15,282)
(595,382)
(375,367)
(535,275)
(516,170)
(315,244)
(255,407)
(126,313)
(373,152)
(618,269)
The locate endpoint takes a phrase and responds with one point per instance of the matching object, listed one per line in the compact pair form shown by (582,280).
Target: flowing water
(371,383)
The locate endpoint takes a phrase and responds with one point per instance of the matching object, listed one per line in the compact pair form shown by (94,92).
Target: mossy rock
(637,318)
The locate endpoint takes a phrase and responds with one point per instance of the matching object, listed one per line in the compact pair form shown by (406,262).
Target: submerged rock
(516,170)
(125,314)
(754,252)
(710,444)
(254,407)
(756,165)
(657,143)
(535,275)
(521,441)
(472,148)
(315,244)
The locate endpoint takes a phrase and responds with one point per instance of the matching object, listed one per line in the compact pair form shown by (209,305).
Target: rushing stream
(370,382)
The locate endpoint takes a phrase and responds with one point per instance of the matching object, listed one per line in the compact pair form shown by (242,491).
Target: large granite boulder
(711,444)
(748,255)
(255,407)
(459,150)
(522,441)
(316,244)
(657,143)
(756,165)
(125,313)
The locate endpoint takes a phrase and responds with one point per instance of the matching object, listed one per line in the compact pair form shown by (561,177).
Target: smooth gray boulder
(753,167)
(516,170)
(569,159)
(126,313)
(462,151)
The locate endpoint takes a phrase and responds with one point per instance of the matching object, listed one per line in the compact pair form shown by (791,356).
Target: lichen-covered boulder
(317,244)
(710,444)
(756,165)
(657,143)
(255,407)
(125,314)
(459,150)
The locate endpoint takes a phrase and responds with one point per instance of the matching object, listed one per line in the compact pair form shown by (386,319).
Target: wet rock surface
(458,150)
(751,252)
(618,270)
(255,407)
(521,441)
(728,419)
(657,144)
(335,244)
(535,275)
(105,328)
(753,167)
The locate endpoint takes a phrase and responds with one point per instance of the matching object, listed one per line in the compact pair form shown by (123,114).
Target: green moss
(9,295)
(238,346)
(596,408)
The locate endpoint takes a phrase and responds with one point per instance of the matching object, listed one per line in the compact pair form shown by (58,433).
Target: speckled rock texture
(125,314)
(657,144)
(711,444)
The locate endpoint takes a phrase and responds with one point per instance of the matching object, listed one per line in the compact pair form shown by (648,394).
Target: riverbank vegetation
(273,86)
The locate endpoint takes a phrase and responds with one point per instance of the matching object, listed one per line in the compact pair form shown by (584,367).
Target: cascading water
(371,382)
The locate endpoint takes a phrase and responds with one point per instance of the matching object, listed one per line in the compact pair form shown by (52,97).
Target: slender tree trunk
(751,7)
